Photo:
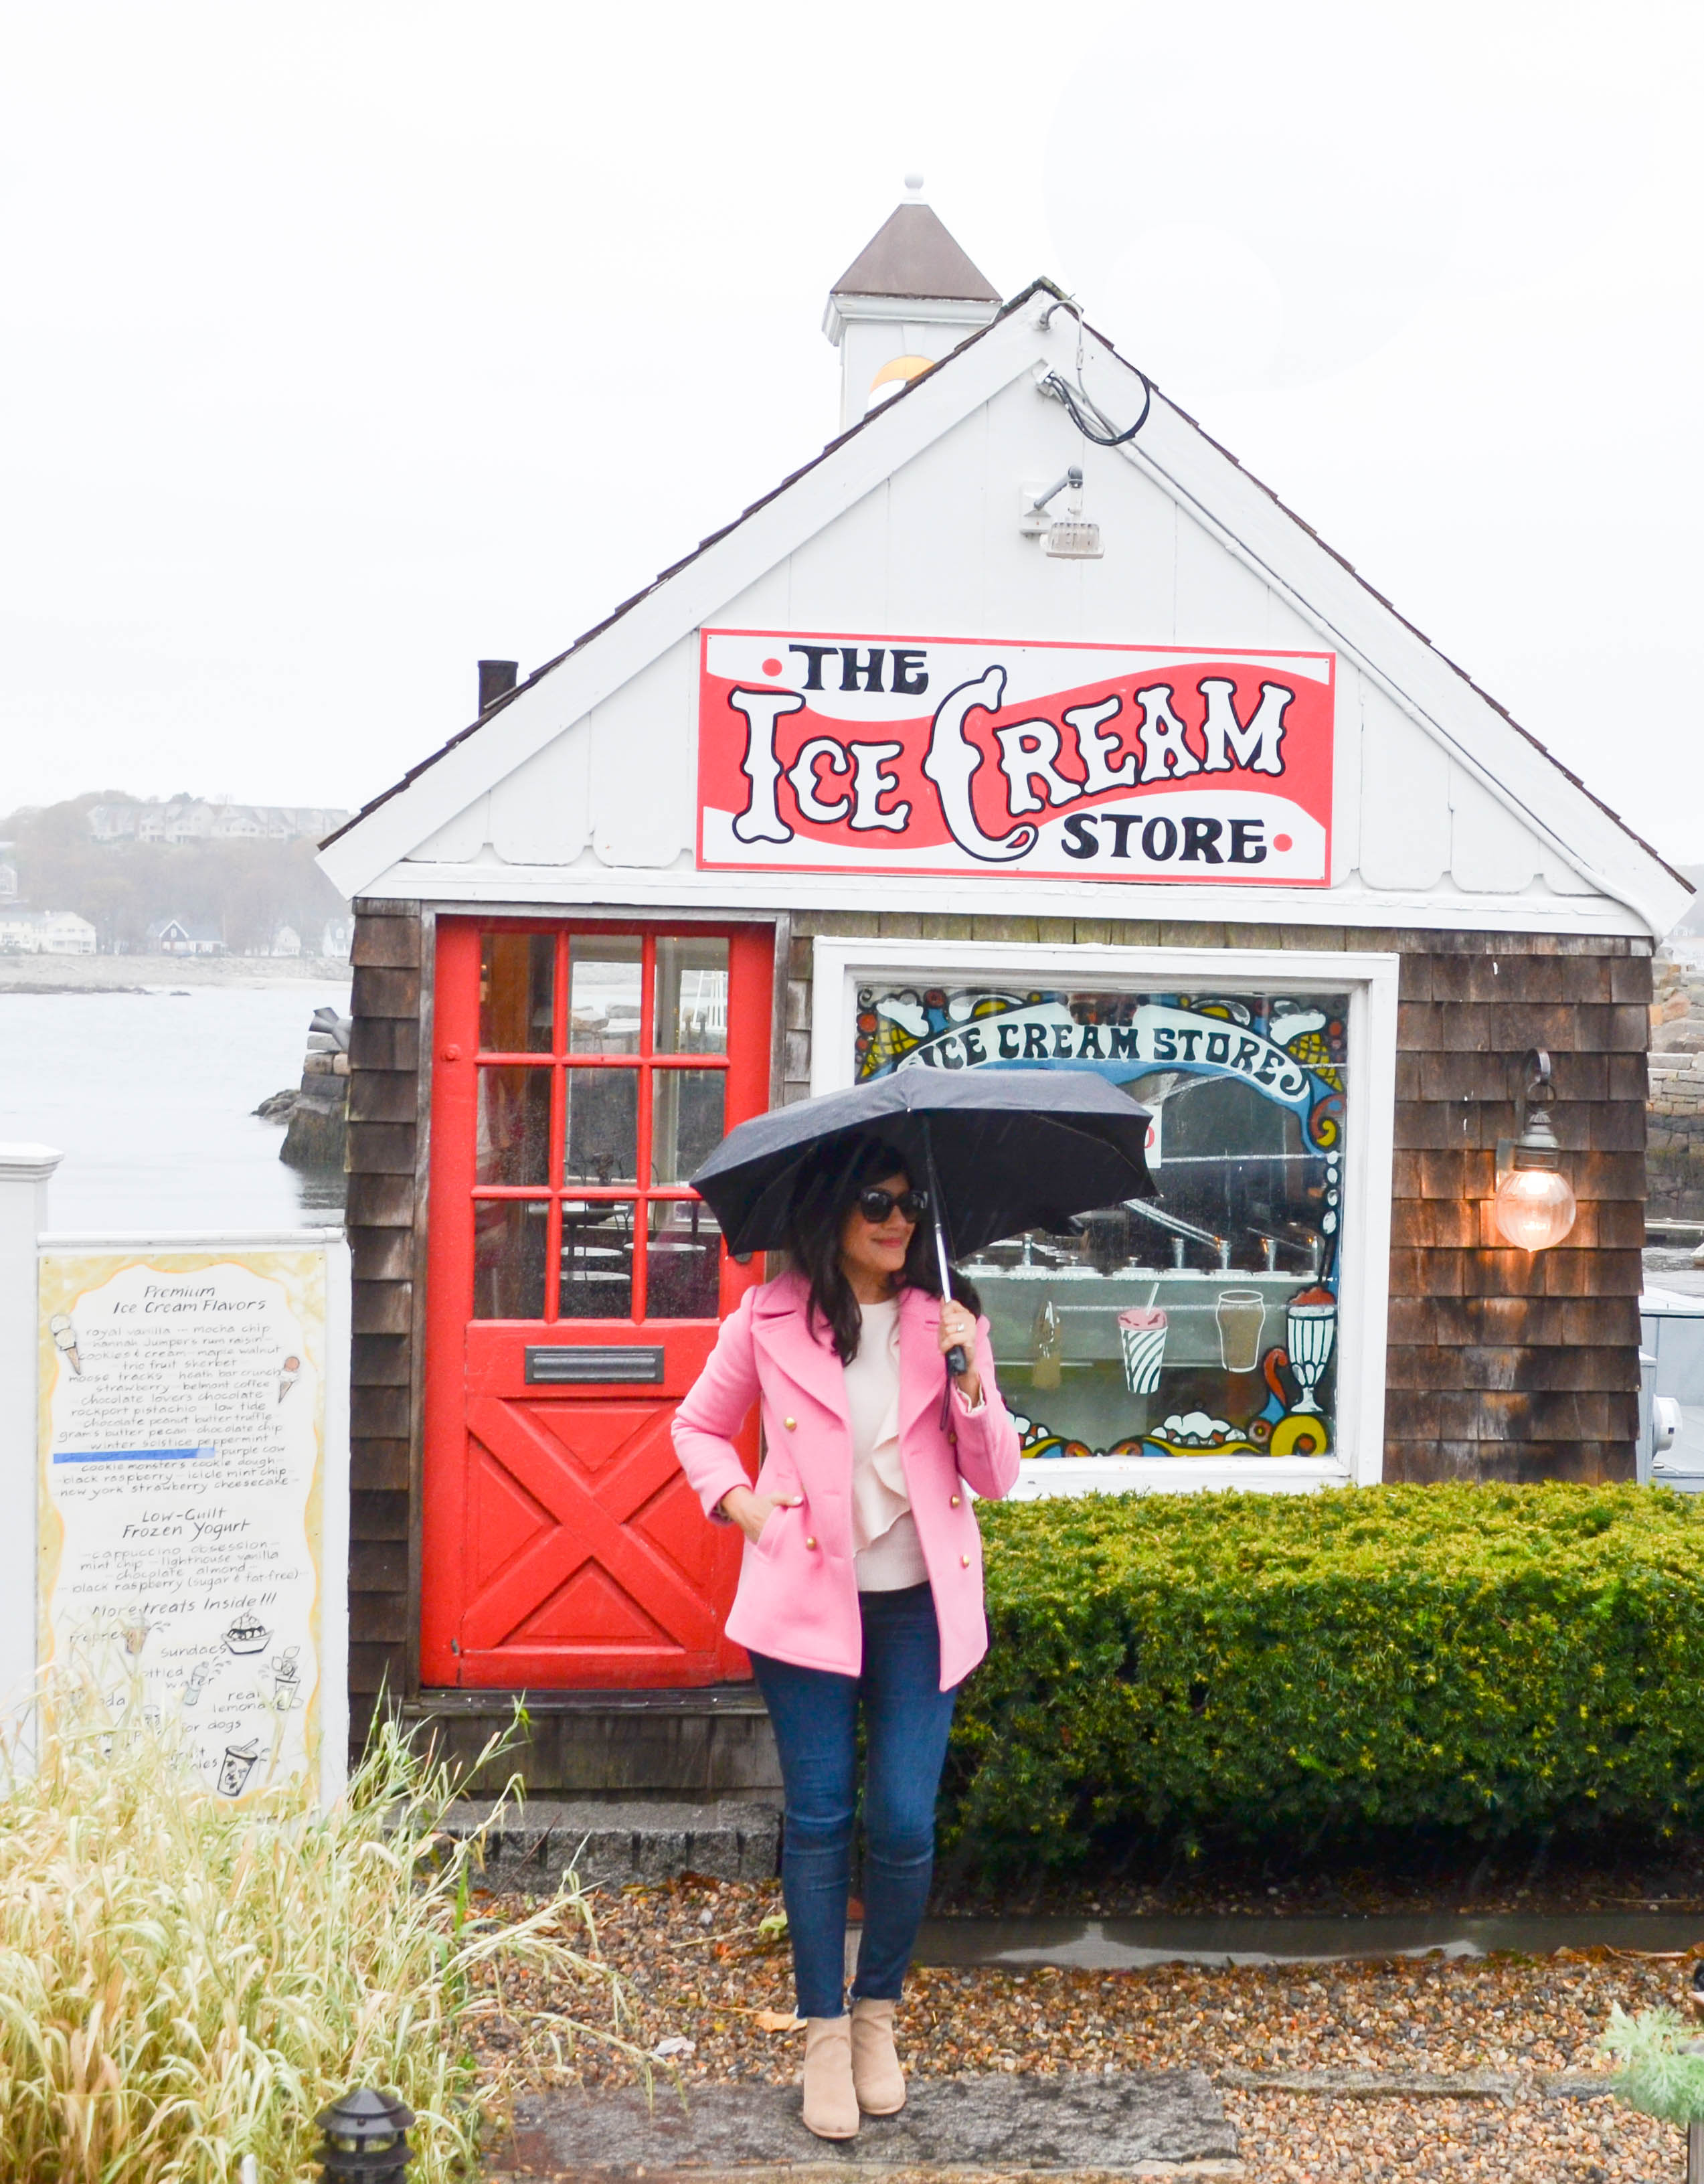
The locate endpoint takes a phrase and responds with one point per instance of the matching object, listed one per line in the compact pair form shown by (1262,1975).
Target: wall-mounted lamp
(1068,538)
(1535,1205)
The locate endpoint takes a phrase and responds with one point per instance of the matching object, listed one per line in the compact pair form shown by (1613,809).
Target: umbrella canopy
(1012,1149)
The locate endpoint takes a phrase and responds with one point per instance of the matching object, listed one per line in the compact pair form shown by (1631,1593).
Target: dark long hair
(828,1187)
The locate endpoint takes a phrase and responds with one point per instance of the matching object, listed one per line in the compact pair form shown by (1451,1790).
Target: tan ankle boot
(876,2074)
(831,2105)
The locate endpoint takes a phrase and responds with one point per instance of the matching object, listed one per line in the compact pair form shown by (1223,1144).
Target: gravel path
(702,1972)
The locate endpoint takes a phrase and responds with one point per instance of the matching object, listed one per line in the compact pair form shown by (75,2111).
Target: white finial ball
(914,182)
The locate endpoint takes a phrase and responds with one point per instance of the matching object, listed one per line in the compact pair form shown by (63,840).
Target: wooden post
(1694,2153)
(24,1173)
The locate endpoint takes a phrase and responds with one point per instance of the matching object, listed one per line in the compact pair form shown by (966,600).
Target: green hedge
(1289,1669)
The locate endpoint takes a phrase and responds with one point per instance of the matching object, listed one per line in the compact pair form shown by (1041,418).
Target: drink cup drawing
(1142,1337)
(236,1766)
(286,1675)
(136,1627)
(1309,1331)
(1241,1315)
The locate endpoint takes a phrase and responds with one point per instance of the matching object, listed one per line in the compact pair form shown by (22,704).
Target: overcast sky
(345,344)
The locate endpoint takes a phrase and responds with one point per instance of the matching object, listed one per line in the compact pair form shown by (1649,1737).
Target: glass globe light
(1535,1206)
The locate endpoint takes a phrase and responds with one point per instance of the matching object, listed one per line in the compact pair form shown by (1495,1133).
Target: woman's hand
(751,1511)
(959,1331)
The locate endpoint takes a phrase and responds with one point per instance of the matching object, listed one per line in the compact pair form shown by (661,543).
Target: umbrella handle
(957,1362)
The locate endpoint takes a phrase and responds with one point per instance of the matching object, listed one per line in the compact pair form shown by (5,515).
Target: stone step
(534,1845)
(1134,2123)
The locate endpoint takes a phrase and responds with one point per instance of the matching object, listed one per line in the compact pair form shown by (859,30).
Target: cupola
(908,297)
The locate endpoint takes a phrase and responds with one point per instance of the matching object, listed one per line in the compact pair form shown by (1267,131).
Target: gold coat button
(953,1439)
(956,1500)
(964,1561)
(808,1541)
(790,1423)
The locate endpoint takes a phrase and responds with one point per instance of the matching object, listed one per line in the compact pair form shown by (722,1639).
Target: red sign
(1076,761)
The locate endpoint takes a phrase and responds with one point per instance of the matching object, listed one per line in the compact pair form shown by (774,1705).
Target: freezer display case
(1200,1323)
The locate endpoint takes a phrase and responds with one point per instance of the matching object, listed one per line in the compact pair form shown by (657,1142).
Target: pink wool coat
(798,1595)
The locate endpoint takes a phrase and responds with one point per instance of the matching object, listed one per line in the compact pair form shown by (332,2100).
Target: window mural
(1200,1323)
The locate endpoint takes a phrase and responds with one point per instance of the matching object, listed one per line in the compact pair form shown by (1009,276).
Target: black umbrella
(999,1151)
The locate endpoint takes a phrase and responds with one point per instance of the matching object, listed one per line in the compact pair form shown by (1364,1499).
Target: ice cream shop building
(999,736)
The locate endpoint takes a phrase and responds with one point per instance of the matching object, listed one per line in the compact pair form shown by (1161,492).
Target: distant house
(45,933)
(114,822)
(189,819)
(8,881)
(286,941)
(172,936)
(337,939)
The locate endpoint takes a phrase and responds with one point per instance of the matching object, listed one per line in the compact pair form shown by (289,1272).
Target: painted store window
(1200,1324)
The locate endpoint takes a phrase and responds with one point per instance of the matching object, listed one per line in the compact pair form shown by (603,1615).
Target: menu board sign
(183,1536)
(825,753)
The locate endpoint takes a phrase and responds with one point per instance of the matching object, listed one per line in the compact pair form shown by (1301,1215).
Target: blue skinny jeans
(906,1719)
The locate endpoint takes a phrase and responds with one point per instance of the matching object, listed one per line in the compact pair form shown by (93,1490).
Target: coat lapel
(922,1373)
(780,1326)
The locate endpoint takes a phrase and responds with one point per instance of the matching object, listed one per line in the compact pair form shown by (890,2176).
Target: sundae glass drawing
(246,1636)
(135,1628)
(65,1341)
(1310,1330)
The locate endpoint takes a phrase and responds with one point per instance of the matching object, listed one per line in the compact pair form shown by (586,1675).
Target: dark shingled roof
(913,255)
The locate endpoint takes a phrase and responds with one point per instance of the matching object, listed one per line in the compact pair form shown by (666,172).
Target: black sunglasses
(876,1205)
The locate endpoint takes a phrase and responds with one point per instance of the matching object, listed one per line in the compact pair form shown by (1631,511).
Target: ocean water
(148,1097)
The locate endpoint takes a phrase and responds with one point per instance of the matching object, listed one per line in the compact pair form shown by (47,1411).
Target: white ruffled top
(889,1553)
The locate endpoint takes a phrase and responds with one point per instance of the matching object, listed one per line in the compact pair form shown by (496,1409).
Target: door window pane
(508,1257)
(601,1140)
(1200,1322)
(603,985)
(517,973)
(692,996)
(683,1261)
(513,1127)
(597,1259)
(688,1106)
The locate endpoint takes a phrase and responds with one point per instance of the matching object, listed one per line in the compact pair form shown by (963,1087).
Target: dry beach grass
(702,1971)
(183,1983)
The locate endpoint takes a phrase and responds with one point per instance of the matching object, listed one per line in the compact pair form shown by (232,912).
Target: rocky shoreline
(315,1113)
(154,974)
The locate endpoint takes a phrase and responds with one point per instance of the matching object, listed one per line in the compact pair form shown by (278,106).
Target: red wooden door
(575,1285)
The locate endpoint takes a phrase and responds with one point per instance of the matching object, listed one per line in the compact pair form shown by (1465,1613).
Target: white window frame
(840,964)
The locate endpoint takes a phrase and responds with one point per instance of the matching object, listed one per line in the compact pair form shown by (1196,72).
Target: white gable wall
(602,811)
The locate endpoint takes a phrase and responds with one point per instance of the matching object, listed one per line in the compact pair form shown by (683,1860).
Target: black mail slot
(563,1364)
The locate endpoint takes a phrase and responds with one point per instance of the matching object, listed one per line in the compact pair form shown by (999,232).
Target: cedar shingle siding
(1500,1366)
(386,1229)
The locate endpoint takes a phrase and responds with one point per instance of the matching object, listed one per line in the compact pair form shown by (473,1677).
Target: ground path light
(365,2138)
(1534,1204)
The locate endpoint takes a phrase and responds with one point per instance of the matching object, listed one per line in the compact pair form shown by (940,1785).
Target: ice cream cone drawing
(286,1674)
(65,1341)
(287,1378)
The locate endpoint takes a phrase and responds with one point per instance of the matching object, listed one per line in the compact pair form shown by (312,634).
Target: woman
(861,1579)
